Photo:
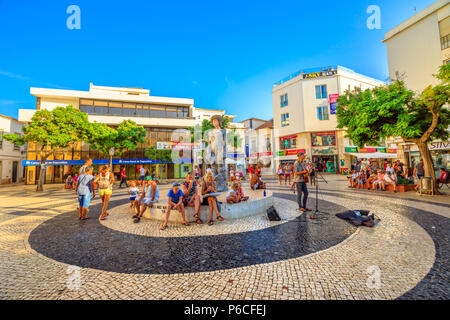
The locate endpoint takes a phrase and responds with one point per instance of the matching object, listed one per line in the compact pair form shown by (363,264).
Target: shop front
(324,151)
(440,153)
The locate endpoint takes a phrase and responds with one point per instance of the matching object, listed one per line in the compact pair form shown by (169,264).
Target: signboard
(324,151)
(321,74)
(370,150)
(28,163)
(290,152)
(332,98)
(333,108)
(169,145)
(439,145)
(261,154)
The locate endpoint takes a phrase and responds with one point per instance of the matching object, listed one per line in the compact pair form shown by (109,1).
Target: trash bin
(425,184)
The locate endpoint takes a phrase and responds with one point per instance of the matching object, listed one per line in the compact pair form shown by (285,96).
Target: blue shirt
(84,184)
(175,197)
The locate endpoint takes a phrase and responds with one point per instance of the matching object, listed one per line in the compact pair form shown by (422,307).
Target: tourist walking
(123,178)
(287,174)
(299,179)
(87,163)
(105,181)
(280,173)
(141,179)
(85,191)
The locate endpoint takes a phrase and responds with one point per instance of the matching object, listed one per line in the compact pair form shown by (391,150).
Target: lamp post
(111,154)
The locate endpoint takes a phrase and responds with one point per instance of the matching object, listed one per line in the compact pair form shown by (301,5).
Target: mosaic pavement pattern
(46,253)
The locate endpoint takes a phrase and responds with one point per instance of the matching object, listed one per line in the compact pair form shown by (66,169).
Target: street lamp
(111,153)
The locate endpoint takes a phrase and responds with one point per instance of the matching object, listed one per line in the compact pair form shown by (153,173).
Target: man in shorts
(85,190)
(141,176)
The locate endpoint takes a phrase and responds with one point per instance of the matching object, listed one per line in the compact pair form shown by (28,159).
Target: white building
(304,111)
(417,47)
(160,116)
(11,155)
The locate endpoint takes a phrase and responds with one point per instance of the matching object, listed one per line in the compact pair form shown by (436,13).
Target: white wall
(7,153)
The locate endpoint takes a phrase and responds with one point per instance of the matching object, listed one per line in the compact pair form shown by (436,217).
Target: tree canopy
(394,110)
(126,137)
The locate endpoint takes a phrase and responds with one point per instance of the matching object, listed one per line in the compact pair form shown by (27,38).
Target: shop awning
(373,155)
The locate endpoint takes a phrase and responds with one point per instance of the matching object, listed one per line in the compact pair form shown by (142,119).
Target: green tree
(127,136)
(158,154)
(52,130)
(393,110)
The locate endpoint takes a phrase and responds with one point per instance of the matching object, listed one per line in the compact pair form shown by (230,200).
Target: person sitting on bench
(443,178)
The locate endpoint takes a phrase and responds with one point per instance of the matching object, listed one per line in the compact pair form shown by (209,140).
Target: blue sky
(223,54)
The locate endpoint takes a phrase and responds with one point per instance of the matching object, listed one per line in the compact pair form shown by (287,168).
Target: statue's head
(216,121)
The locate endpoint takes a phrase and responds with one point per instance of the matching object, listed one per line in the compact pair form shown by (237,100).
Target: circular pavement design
(89,244)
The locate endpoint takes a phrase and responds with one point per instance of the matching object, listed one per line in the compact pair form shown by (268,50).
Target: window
(320,139)
(445,42)
(288,143)
(321,92)
(16,146)
(285,119)
(157,112)
(171,112)
(322,113)
(284,100)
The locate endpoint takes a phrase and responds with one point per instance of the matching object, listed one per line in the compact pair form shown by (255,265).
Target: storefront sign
(324,151)
(439,145)
(290,152)
(261,154)
(321,74)
(332,98)
(333,108)
(169,145)
(370,150)
(28,163)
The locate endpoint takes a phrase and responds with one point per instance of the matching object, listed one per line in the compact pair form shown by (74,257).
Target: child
(69,183)
(175,202)
(234,196)
(361,180)
(133,192)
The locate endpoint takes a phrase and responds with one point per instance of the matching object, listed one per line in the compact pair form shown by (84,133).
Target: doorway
(14,171)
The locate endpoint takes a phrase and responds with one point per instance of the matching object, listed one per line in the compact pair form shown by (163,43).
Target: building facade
(166,120)
(11,155)
(416,49)
(261,142)
(304,109)
(420,45)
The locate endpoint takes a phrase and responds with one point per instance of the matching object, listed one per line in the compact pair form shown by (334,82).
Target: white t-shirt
(134,192)
(142,171)
(231,193)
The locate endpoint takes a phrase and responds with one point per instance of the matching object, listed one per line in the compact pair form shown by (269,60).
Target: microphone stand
(316,212)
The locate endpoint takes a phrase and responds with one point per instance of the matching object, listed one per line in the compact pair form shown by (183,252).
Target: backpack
(272,214)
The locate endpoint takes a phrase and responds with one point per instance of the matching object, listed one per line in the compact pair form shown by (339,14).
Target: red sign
(332,98)
(261,154)
(294,152)
(367,150)
(288,137)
